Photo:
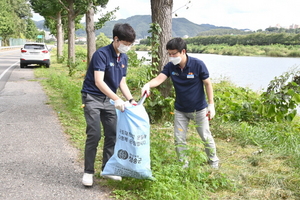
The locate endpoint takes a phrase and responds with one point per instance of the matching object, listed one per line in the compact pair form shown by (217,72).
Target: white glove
(211,111)
(146,89)
(120,104)
(133,102)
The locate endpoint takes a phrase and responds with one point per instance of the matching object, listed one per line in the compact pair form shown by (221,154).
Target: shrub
(235,103)
(294,53)
(274,53)
(282,97)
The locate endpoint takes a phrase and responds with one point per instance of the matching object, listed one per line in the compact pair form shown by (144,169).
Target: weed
(244,174)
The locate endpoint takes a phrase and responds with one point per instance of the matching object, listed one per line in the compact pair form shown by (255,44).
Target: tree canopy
(14,20)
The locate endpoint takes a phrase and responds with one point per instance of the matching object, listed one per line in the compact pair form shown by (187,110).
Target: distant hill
(141,23)
(40,25)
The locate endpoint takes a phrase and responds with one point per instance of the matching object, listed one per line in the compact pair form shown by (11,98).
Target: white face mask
(175,60)
(123,48)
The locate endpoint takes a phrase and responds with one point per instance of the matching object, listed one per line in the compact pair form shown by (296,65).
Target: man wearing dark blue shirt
(106,73)
(189,76)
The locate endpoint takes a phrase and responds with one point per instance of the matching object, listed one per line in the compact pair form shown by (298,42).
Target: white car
(35,53)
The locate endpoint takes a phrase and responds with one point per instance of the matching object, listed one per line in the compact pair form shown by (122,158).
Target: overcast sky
(240,14)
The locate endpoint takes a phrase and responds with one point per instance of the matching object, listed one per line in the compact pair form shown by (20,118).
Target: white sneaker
(214,165)
(87,179)
(113,177)
(186,164)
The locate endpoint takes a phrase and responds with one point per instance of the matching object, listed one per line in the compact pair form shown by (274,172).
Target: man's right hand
(120,104)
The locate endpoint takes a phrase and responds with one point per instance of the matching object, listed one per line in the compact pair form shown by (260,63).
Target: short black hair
(124,32)
(176,43)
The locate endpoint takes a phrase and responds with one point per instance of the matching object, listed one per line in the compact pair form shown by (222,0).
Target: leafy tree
(90,31)
(102,41)
(162,15)
(162,25)
(53,13)
(21,8)
(259,38)
(222,31)
(90,25)
(272,29)
(73,12)
(58,27)
(22,11)
(74,9)
(13,16)
(280,101)
(7,25)
(31,30)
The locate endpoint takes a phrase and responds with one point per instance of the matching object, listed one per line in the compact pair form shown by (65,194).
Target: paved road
(36,159)
(9,60)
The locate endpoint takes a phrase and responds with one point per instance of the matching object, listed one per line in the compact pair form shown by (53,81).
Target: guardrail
(10,47)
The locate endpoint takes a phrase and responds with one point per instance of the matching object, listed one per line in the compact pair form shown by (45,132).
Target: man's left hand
(211,111)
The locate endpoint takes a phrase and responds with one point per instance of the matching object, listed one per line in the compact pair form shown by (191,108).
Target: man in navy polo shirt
(190,77)
(106,73)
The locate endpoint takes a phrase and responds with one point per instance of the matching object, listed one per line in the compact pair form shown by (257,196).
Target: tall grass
(247,50)
(172,181)
(274,50)
(245,172)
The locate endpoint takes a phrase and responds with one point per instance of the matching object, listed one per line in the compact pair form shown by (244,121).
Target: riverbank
(254,72)
(275,50)
(259,158)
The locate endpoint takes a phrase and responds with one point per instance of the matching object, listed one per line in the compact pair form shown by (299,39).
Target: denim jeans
(98,109)
(181,123)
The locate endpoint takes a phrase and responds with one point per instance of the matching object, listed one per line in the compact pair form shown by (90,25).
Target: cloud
(255,14)
(126,9)
(241,14)
(37,17)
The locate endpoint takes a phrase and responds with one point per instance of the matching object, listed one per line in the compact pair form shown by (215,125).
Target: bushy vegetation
(259,158)
(262,44)
(275,50)
(15,22)
(224,32)
(102,41)
(249,39)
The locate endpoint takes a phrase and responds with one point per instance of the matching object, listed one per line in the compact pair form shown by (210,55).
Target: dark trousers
(98,109)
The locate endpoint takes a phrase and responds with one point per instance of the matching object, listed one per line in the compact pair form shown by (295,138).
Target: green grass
(258,161)
(275,50)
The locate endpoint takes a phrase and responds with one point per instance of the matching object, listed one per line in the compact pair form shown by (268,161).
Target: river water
(245,71)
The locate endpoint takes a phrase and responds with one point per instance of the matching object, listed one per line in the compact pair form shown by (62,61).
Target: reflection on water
(244,71)
(252,72)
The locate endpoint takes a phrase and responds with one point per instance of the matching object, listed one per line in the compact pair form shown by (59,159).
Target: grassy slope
(257,175)
(265,175)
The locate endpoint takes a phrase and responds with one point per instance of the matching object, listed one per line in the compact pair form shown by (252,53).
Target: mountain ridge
(181,27)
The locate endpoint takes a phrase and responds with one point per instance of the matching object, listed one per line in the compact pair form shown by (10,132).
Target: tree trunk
(162,14)
(90,32)
(59,37)
(71,31)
